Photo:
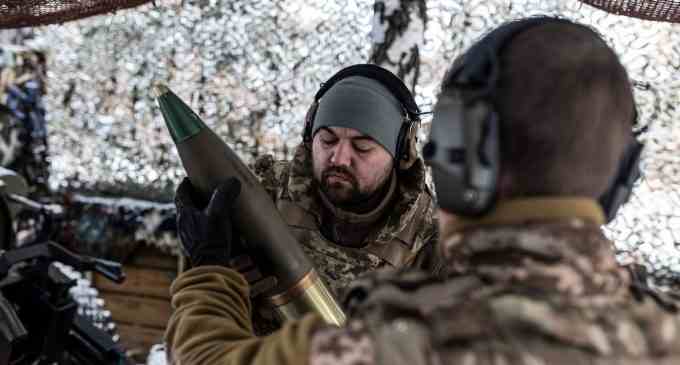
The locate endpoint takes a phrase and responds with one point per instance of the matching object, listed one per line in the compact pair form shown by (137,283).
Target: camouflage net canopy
(26,13)
(659,10)
(251,68)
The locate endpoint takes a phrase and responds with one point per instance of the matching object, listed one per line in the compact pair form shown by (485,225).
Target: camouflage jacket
(405,237)
(535,283)
(523,290)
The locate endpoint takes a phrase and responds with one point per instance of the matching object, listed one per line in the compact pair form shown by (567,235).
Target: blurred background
(78,120)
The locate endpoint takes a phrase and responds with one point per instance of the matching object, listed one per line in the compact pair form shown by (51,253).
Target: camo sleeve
(271,174)
(349,345)
(429,260)
(428,257)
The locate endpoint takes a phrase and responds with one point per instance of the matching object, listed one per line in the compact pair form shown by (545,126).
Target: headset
(464,150)
(406,152)
(627,175)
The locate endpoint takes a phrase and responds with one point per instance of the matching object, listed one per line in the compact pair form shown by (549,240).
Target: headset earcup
(627,174)
(309,122)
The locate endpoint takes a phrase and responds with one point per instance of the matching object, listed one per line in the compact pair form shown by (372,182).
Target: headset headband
(385,77)
(480,66)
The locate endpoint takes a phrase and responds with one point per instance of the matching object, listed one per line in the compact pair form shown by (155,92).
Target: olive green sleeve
(211,324)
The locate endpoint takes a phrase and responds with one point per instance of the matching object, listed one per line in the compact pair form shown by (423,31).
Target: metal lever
(53,252)
(110,269)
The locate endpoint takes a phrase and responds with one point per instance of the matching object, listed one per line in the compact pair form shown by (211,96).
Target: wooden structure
(140,306)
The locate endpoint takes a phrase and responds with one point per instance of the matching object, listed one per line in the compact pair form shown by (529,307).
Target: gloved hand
(206,233)
(258,282)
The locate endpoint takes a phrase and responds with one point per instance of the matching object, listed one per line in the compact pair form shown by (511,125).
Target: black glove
(206,234)
(259,283)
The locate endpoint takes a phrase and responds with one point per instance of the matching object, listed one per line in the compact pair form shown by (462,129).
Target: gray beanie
(363,104)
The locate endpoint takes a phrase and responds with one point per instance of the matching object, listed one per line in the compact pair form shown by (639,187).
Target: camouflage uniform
(404,237)
(521,291)
(536,282)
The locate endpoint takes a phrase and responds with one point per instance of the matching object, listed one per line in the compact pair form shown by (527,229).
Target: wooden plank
(138,340)
(140,310)
(150,257)
(140,281)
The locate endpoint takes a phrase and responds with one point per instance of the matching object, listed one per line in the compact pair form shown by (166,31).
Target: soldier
(354,194)
(546,109)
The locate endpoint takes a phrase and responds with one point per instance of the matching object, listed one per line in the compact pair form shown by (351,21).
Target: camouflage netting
(659,10)
(251,67)
(23,130)
(27,13)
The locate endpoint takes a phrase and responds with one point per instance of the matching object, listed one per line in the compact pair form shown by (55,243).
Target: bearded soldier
(531,138)
(354,194)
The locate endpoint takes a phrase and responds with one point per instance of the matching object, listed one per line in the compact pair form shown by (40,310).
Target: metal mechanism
(39,323)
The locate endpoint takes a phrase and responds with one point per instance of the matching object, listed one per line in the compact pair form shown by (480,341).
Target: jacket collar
(522,234)
(411,190)
(518,211)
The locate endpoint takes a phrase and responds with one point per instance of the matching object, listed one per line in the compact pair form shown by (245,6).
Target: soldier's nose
(342,154)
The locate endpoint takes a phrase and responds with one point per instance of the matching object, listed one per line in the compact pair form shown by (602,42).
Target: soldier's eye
(363,145)
(328,141)
(326,138)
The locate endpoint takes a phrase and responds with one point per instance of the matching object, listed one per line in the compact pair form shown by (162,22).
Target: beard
(343,193)
(341,187)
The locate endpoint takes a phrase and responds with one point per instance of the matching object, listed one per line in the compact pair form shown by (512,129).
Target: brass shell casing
(309,295)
